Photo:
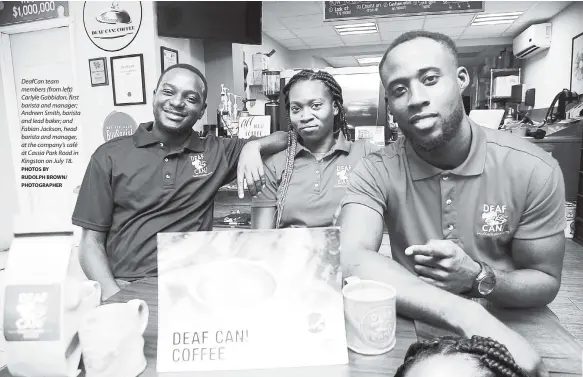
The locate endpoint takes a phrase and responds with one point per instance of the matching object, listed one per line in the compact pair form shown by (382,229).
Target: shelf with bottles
(501,72)
(504,71)
(499,98)
(496,72)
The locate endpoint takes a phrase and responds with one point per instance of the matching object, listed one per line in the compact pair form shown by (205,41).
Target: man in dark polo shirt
(163,178)
(470,211)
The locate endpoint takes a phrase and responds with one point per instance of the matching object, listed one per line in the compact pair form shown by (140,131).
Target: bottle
(221,112)
(222,100)
(245,112)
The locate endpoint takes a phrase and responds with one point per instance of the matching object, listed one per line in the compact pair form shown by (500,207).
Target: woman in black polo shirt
(305,183)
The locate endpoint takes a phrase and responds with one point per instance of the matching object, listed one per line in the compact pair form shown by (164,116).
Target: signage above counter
(19,12)
(346,10)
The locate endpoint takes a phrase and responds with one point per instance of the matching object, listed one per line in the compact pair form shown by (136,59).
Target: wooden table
(560,351)
(365,366)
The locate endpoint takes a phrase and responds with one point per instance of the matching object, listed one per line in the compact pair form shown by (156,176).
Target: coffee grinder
(271,87)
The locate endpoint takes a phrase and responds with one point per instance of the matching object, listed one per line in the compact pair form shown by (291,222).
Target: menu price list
(356,9)
(49,133)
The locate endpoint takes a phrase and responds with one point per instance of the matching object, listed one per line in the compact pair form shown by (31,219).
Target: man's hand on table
(250,169)
(444,264)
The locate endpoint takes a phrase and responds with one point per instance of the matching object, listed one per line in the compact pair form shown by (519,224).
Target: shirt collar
(342,144)
(473,164)
(144,137)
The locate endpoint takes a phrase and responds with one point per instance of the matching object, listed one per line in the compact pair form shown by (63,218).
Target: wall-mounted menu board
(342,10)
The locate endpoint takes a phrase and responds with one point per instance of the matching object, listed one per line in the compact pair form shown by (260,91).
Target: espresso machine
(271,88)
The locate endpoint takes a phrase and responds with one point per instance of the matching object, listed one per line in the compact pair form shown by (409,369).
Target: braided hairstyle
(292,140)
(488,353)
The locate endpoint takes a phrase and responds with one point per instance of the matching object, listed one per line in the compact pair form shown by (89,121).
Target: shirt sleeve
(233,148)
(366,186)
(371,148)
(268,195)
(94,207)
(544,214)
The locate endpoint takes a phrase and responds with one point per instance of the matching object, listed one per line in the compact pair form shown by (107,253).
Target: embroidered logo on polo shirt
(342,172)
(199,165)
(495,220)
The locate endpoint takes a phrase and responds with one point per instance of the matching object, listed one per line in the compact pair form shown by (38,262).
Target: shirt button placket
(449,212)
(318,182)
(169,170)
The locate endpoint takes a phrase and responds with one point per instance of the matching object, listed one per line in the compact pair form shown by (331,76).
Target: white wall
(550,71)
(97,102)
(8,197)
(301,59)
(282,59)
(278,61)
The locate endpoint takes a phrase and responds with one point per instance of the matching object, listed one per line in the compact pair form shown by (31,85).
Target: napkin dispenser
(44,307)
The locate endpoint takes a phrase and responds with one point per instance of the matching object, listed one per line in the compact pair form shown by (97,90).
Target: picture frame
(98,71)
(127,80)
(168,57)
(577,64)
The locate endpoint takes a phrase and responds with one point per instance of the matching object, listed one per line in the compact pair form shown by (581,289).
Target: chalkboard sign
(18,12)
(342,10)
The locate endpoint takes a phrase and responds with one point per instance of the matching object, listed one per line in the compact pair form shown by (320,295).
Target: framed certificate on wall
(127,80)
(168,57)
(577,64)
(98,72)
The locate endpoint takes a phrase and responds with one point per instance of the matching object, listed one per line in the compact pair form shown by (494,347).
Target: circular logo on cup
(377,326)
(112,25)
(118,124)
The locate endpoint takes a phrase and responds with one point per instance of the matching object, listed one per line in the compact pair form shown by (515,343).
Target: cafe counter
(230,211)
(563,142)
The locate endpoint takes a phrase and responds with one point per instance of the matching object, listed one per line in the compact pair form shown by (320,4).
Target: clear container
(271,84)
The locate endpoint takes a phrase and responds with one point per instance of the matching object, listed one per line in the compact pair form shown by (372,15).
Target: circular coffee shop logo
(118,124)
(112,26)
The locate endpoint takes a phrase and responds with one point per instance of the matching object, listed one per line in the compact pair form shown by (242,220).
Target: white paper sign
(375,134)
(257,299)
(256,125)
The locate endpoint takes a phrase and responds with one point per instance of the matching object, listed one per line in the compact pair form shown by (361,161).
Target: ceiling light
(495,18)
(363,28)
(369,60)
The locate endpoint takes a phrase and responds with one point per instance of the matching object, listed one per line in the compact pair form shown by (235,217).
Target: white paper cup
(370,314)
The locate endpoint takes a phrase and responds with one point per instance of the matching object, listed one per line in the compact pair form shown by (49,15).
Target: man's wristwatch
(485,281)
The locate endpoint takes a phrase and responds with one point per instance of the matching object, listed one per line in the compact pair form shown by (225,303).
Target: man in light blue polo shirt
(469,210)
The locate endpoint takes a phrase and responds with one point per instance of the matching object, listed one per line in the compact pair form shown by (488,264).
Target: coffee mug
(370,314)
(112,342)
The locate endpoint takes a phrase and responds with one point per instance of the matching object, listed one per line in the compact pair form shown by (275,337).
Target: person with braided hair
(456,356)
(305,183)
